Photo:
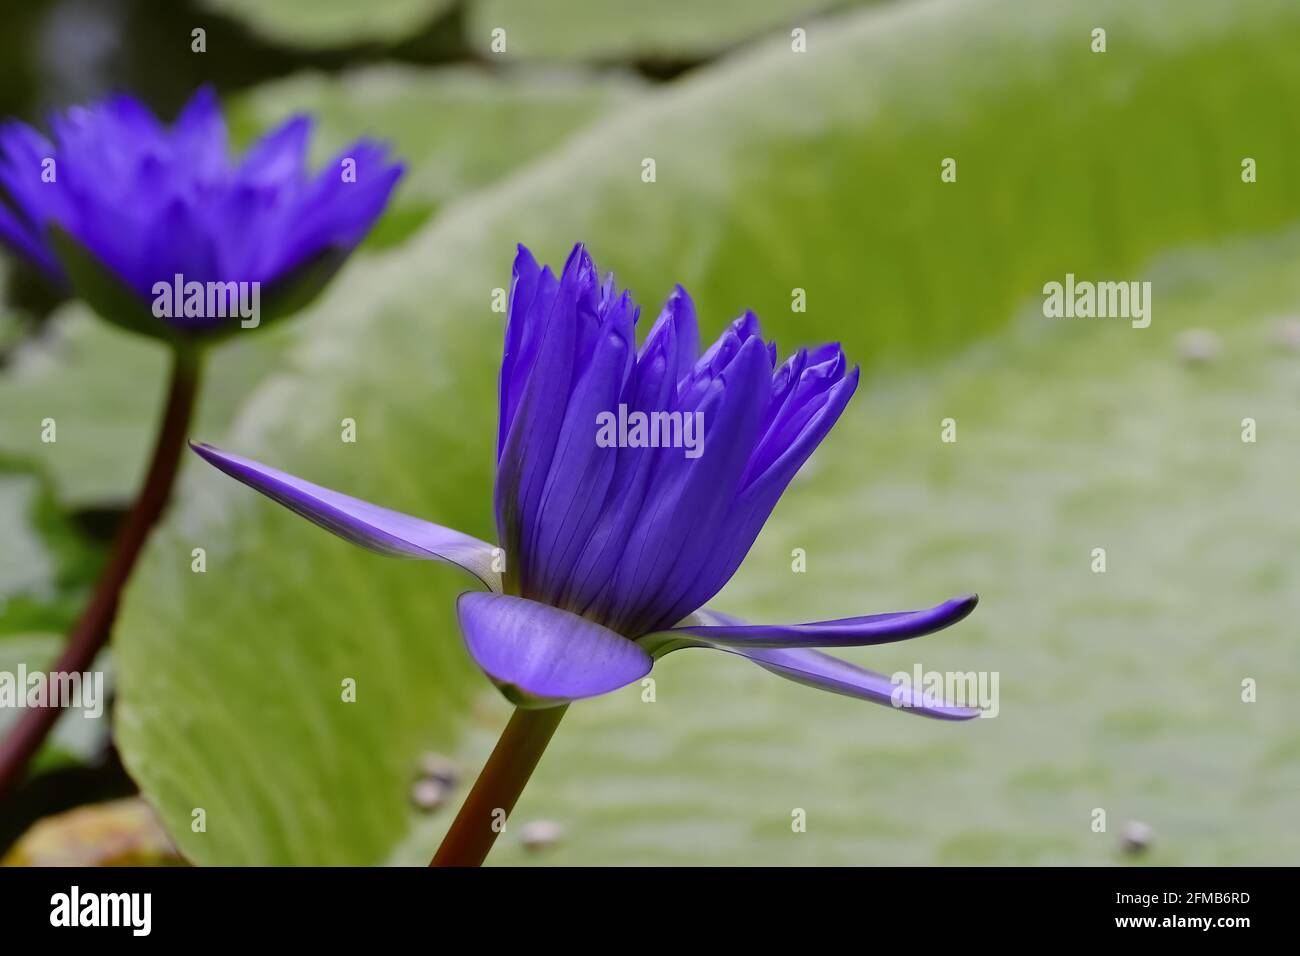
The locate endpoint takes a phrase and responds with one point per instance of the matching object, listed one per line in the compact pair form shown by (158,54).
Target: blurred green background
(775,170)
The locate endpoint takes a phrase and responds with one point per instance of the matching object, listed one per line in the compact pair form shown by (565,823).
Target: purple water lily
(609,550)
(117,202)
(610,553)
(158,231)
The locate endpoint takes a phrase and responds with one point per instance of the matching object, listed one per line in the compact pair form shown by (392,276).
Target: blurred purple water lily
(160,232)
(117,202)
(612,552)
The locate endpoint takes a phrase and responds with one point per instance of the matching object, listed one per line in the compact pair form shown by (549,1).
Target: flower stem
(497,788)
(91,631)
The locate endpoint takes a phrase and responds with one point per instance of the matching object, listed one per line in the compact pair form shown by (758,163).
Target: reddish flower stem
(498,787)
(91,631)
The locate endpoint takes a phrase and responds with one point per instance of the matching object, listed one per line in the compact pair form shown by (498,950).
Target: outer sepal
(542,656)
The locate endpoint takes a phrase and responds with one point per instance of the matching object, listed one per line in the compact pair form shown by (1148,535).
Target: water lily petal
(279,155)
(689,498)
(582,470)
(19,235)
(542,656)
(844,632)
(331,212)
(824,672)
(176,243)
(529,448)
(677,319)
(756,501)
(652,386)
(199,136)
(524,327)
(370,526)
(812,668)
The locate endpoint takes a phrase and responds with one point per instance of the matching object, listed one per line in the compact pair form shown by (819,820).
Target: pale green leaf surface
(775,172)
(1120,691)
(314,24)
(607,29)
(456,129)
(102,387)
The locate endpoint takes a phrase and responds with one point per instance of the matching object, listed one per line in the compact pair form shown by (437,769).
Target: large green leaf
(331,23)
(776,171)
(1119,690)
(456,129)
(608,29)
(102,388)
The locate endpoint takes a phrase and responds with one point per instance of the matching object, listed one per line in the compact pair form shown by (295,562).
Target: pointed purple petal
(541,656)
(279,156)
(24,240)
(824,672)
(176,243)
(650,389)
(688,498)
(581,470)
(678,320)
(199,135)
(814,669)
(370,526)
(845,632)
(333,213)
(530,444)
(522,334)
(756,501)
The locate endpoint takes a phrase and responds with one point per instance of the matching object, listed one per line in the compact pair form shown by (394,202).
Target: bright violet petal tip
(362,523)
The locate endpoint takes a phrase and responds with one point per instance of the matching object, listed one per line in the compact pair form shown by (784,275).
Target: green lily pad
(779,172)
(333,23)
(101,388)
(457,129)
(1120,690)
(609,29)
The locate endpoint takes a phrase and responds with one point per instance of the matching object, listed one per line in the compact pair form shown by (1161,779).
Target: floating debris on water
(1198,346)
(1136,837)
(538,835)
(437,767)
(428,794)
(1287,333)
